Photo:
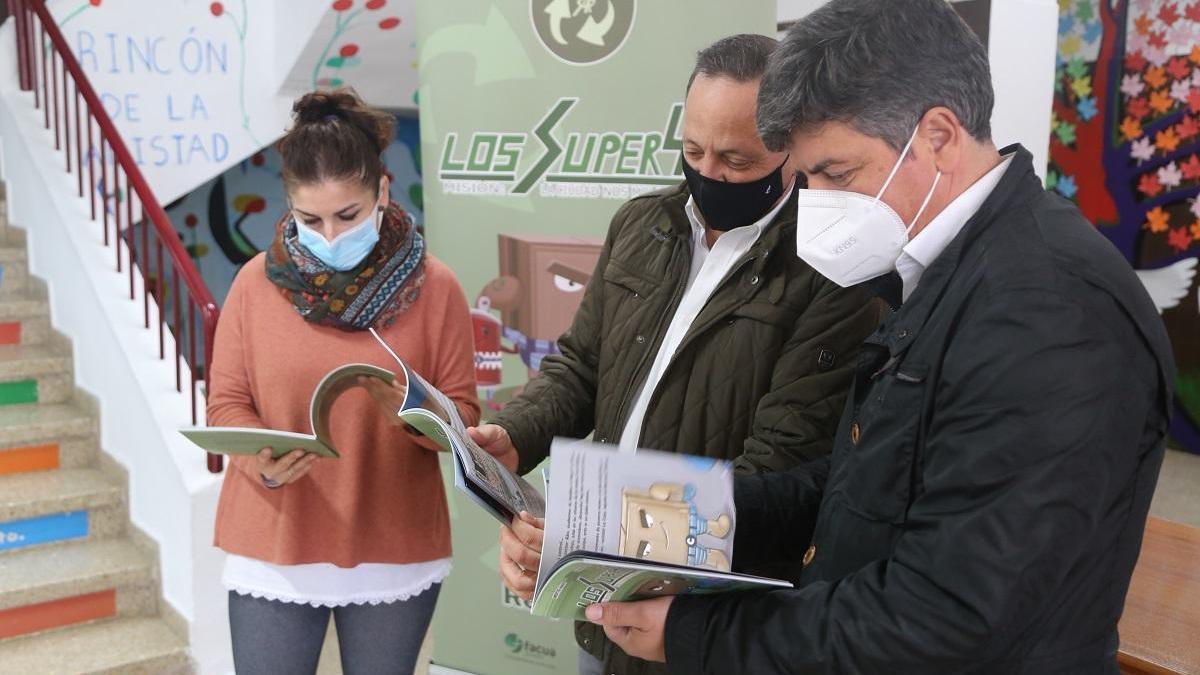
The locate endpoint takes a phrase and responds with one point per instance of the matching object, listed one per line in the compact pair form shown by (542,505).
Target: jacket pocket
(775,315)
(615,273)
(880,447)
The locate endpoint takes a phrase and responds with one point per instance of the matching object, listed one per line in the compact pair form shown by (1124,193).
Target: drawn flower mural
(1125,146)
(79,9)
(327,73)
(240,27)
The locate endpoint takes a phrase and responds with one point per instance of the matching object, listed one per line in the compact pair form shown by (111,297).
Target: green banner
(538,119)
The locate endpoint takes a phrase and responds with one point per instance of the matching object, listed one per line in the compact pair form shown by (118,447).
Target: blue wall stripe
(43,530)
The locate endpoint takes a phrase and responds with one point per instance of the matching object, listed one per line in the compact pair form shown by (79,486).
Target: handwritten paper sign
(187,83)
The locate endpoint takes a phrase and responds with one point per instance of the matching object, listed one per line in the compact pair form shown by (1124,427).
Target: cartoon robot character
(662,524)
(539,289)
(488,350)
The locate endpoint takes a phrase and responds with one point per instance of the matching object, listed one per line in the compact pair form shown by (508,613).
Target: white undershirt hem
(326,585)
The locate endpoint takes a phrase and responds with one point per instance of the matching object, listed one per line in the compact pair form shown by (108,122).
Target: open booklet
(478,474)
(632,526)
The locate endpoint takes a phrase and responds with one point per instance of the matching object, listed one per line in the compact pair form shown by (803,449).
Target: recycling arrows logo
(582,32)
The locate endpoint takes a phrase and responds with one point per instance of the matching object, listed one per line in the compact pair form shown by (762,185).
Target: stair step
(68,567)
(44,492)
(14,269)
(10,236)
(25,315)
(12,245)
(45,574)
(125,646)
(38,373)
(21,361)
(22,425)
(48,436)
(47,507)
(31,301)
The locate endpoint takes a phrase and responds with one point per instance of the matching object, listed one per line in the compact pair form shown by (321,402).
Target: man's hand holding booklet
(622,527)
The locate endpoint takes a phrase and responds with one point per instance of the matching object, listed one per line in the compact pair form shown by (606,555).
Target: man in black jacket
(984,504)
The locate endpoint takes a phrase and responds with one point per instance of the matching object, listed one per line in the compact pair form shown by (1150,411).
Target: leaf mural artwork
(327,73)
(247,205)
(197,249)
(1125,147)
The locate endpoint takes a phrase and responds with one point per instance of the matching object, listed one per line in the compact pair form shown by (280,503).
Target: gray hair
(878,66)
(742,58)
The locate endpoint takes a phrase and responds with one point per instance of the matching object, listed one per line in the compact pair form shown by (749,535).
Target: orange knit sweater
(382,501)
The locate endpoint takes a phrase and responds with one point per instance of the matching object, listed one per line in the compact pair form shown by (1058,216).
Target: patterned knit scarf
(374,293)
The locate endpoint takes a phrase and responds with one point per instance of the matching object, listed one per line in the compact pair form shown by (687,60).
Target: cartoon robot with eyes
(663,524)
(541,284)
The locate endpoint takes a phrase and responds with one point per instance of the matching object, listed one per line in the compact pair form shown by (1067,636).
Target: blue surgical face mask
(348,249)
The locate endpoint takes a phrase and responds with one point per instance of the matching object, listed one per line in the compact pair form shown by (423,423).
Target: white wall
(1022,48)
(172,496)
(790,10)
(294,31)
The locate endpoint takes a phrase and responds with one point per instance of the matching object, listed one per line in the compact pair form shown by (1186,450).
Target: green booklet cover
(581,579)
(242,441)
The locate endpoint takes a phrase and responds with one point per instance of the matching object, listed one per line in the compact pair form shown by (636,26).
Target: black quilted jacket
(984,503)
(761,377)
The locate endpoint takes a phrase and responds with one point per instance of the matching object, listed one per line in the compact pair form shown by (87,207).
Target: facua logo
(582,32)
(845,246)
(513,642)
(517,645)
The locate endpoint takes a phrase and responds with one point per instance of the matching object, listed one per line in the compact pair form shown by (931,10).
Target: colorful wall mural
(366,44)
(1125,146)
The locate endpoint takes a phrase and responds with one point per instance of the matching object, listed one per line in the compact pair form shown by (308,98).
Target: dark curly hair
(335,136)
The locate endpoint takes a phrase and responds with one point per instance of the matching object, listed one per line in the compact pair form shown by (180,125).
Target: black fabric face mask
(726,206)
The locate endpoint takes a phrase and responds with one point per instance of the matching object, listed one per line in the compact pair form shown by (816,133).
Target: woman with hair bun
(365,537)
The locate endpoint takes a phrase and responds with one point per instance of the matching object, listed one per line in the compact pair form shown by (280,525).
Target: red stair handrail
(46,89)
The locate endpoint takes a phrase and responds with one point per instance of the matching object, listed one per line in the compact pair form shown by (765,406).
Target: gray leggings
(271,637)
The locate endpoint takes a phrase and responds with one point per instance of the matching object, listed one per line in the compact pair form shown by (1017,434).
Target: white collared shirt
(929,243)
(709,267)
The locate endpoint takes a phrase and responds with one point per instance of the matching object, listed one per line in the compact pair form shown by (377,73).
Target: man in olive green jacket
(700,331)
